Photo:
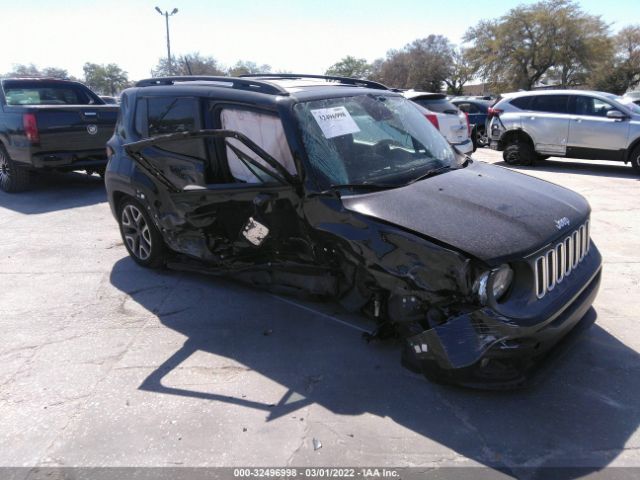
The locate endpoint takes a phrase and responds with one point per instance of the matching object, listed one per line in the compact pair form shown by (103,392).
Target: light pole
(166,16)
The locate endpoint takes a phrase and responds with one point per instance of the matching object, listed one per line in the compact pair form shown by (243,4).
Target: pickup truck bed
(40,130)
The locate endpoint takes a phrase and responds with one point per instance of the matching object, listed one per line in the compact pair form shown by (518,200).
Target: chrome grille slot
(568,253)
(558,262)
(541,276)
(551,269)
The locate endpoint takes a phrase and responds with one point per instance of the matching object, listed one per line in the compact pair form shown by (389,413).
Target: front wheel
(519,153)
(13,178)
(139,234)
(635,158)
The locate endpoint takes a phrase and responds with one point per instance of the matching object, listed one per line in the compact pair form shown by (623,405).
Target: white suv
(565,123)
(446,117)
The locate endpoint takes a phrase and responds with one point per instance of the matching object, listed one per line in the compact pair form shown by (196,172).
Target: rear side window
(40,93)
(469,108)
(165,115)
(550,103)
(522,102)
(171,115)
(439,105)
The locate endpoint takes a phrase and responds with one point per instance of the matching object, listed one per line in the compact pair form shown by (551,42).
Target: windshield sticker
(335,121)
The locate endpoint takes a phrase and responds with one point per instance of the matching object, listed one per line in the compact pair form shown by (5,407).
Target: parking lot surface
(104,363)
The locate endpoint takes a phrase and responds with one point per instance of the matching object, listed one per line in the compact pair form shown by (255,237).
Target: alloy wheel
(136,232)
(5,169)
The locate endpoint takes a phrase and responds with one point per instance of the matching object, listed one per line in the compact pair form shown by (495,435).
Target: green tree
(248,68)
(622,71)
(550,37)
(107,79)
(189,64)
(30,70)
(350,67)
(423,64)
(460,73)
(56,73)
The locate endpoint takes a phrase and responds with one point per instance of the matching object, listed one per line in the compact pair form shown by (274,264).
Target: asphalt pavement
(104,363)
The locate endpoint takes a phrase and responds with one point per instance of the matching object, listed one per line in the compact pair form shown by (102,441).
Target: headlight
(496,281)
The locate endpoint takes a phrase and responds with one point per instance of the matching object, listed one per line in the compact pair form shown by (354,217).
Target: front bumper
(482,349)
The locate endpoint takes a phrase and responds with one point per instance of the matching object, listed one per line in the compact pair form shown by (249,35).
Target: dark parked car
(477,110)
(337,187)
(50,124)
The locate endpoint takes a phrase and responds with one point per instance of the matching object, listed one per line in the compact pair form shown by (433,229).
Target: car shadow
(51,191)
(617,170)
(581,415)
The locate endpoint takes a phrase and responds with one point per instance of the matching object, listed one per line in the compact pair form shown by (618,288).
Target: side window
(521,102)
(171,115)
(473,109)
(163,115)
(140,120)
(465,107)
(124,107)
(550,103)
(592,106)
(264,129)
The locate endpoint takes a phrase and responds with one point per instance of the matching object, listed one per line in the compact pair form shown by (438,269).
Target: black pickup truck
(51,124)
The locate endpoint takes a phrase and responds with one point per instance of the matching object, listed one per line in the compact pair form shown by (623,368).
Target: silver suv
(527,126)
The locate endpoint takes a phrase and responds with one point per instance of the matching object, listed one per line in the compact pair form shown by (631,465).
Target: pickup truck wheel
(519,153)
(635,159)
(140,236)
(12,177)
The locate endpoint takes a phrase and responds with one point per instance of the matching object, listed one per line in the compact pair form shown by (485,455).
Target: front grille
(557,263)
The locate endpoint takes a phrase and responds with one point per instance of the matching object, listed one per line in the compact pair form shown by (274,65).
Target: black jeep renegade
(336,187)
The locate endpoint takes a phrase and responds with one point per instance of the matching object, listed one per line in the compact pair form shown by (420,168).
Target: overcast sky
(304,36)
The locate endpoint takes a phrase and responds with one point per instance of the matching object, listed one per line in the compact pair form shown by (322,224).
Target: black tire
(519,153)
(481,138)
(13,178)
(139,234)
(634,158)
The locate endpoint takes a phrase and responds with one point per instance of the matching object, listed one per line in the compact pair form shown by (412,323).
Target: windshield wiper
(430,173)
(366,186)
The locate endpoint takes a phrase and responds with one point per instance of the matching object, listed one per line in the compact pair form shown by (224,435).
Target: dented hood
(489,212)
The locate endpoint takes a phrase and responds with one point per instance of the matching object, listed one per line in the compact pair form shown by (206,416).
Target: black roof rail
(233,82)
(346,80)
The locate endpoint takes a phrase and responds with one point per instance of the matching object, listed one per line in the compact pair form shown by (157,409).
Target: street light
(166,15)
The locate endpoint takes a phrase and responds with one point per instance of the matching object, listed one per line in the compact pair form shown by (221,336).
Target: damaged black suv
(337,187)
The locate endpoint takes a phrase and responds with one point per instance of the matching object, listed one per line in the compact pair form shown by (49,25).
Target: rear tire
(141,238)
(519,153)
(635,159)
(13,178)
